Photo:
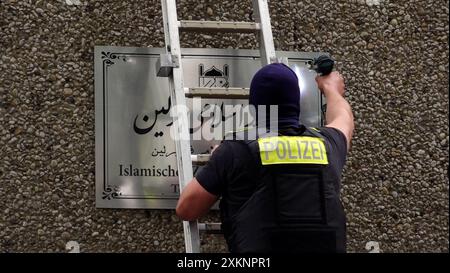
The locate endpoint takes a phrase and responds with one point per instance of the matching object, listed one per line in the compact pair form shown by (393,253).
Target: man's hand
(339,113)
(334,82)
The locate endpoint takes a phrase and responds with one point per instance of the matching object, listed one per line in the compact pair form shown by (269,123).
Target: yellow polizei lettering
(292,150)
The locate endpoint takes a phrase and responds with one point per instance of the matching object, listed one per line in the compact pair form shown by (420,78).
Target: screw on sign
(73,247)
(373,247)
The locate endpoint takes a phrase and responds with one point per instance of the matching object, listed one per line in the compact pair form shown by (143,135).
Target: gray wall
(394,57)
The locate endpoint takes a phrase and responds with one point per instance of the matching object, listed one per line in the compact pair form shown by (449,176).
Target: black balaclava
(277,84)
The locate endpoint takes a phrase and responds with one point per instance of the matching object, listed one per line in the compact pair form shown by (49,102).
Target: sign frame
(109,195)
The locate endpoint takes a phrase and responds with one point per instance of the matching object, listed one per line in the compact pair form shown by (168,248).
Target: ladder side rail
(181,125)
(262,16)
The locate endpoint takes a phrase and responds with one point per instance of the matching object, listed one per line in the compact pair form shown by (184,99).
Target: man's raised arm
(339,113)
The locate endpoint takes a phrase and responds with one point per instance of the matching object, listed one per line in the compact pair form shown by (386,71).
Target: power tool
(323,65)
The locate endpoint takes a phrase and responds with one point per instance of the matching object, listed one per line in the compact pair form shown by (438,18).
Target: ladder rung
(216,26)
(212,228)
(217,93)
(200,159)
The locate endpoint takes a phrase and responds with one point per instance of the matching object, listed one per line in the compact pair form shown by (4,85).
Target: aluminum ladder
(169,65)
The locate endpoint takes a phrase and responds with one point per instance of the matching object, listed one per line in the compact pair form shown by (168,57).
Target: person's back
(295,205)
(280,191)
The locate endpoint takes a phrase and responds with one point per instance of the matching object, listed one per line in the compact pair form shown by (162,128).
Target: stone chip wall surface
(392,53)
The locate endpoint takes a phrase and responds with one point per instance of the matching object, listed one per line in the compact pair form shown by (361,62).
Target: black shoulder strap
(314,131)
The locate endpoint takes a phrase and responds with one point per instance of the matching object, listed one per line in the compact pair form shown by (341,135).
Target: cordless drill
(323,65)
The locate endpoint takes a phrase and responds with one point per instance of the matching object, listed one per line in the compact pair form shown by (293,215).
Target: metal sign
(135,156)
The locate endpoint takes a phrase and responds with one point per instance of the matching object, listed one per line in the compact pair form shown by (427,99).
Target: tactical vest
(295,206)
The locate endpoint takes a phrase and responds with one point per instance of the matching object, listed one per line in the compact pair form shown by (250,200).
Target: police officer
(280,192)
